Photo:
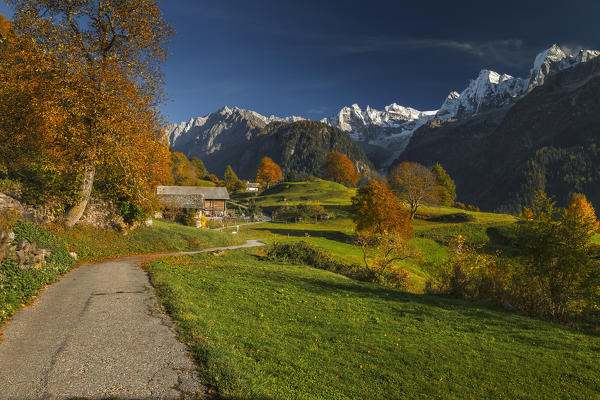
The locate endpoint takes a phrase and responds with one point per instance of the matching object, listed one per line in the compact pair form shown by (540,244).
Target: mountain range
(240,138)
(451,135)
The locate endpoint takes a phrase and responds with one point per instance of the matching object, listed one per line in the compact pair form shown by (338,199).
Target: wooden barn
(212,201)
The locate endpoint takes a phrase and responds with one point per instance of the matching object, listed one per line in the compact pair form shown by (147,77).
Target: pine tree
(230,178)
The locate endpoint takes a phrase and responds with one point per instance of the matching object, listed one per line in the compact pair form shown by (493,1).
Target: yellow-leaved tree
(92,71)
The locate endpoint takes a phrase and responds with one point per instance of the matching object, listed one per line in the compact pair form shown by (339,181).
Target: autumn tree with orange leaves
(268,172)
(96,74)
(339,168)
(383,230)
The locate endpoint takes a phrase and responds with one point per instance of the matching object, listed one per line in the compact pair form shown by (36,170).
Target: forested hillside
(301,146)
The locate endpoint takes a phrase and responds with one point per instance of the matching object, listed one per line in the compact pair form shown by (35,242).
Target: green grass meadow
(267,330)
(94,244)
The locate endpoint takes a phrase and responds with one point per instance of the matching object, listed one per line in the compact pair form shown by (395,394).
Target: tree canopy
(268,172)
(446,186)
(80,86)
(378,210)
(339,168)
(414,184)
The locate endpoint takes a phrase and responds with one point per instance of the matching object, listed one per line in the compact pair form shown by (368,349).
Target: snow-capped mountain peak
(491,90)
(556,59)
(389,129)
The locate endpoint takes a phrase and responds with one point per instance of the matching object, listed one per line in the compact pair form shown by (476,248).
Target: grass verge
(17,285)
(94,244)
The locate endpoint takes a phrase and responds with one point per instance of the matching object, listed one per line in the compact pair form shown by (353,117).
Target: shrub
(305,254)
(467,275)
(453,218)
(299,213)
(130,211)
(187,216)
(8,219)
(11,187)
(19,285)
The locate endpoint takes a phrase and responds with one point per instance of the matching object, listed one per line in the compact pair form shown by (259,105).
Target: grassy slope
(266,330)
(336,235)
(319,191)
(93,244)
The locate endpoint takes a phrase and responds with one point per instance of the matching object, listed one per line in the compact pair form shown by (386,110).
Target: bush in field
(305,254)
(467,274)
(556,275)
(299,213)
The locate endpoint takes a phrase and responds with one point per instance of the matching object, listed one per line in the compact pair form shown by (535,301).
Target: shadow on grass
(490,314)
(330,235)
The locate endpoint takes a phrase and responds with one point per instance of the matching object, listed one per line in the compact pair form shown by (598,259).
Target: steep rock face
(489,91)
(549,139)
(554,60)
(382,134)
(203,136)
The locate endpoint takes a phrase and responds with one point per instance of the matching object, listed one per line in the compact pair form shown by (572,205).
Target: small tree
(556,253)
(446,186)
(383,228)
(200,168)
(339,168)
(268,172)
(290,176)
(414,184)
(231,179)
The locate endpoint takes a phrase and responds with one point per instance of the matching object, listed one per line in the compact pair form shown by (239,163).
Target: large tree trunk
(85,190)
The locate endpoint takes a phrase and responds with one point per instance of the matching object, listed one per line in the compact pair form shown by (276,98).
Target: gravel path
(98,333)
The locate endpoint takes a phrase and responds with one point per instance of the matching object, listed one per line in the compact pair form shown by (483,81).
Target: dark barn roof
(209,193)
(190,196)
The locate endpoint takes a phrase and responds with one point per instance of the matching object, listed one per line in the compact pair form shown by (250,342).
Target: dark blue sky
(310,58)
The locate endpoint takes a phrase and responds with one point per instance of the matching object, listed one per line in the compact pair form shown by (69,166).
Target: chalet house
(252,187)
(212,201)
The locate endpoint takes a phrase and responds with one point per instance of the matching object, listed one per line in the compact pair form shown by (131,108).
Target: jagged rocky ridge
(238,137)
